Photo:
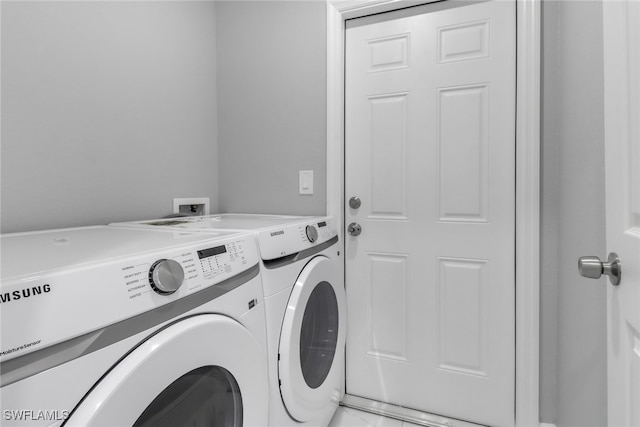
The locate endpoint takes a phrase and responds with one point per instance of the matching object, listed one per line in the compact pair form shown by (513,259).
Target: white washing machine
(108,326)
(305,306)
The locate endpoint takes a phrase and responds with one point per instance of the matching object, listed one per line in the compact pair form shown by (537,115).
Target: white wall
(272,105)
(108,110)
(573,312)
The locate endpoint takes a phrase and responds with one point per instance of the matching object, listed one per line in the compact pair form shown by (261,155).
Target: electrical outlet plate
(192,206)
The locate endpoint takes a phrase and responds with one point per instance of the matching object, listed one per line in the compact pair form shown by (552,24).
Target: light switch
(305,182)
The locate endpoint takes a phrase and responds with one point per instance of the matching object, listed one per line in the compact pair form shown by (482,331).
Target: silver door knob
(354,229)
(354,202)
(593,268)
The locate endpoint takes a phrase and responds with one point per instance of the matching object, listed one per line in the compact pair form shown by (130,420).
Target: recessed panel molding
(463,154)
(463,299)
(387,317)
(463,42)
(388,53)
(388,156)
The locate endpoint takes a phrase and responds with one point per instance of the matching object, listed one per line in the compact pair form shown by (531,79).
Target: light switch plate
(305,182)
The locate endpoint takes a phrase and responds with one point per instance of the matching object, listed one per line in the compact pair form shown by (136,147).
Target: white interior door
(430,154)
(622,147)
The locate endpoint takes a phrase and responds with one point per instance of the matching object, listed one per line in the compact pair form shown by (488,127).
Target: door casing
(527,260)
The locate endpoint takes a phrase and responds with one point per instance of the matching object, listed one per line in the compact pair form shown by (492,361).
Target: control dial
(312,233)
(166,276)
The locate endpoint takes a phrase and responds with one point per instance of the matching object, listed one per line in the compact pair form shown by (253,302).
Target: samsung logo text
(24,293)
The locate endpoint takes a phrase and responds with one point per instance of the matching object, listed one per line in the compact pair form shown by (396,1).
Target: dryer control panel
(289,239)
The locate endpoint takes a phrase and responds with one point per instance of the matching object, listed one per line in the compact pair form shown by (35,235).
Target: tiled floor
(348,417)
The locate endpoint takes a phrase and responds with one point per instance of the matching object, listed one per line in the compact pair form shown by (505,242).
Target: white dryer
(105,326)
(305,306)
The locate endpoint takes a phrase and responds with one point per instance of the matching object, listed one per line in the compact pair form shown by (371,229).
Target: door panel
(463,147)
(388,154)
(388,318)
(463,308)
(430,151)
(622,170)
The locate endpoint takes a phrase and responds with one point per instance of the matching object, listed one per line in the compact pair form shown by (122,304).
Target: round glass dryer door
(319,334)
(204,370)
(312,341)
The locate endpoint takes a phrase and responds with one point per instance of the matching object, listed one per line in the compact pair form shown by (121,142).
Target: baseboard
(547,425)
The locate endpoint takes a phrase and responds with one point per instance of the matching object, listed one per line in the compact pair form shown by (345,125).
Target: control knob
(312,233)
(166,276)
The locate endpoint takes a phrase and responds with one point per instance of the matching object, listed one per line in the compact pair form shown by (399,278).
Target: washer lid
(312,341)
(215,349)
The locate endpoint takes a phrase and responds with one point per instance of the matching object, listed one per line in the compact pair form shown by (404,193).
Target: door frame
(527,261)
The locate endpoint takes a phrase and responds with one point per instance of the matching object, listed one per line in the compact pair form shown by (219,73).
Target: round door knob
(166,276)
(354,229)
(592,268)
(355,202)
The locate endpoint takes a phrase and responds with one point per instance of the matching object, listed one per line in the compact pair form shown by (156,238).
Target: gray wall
(573,312)
(108,110)
(272,105)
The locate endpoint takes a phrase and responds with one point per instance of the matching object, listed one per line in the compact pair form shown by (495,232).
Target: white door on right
(430,154)
(622,151)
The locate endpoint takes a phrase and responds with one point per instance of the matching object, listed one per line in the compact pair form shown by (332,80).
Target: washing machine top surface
(61,284)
